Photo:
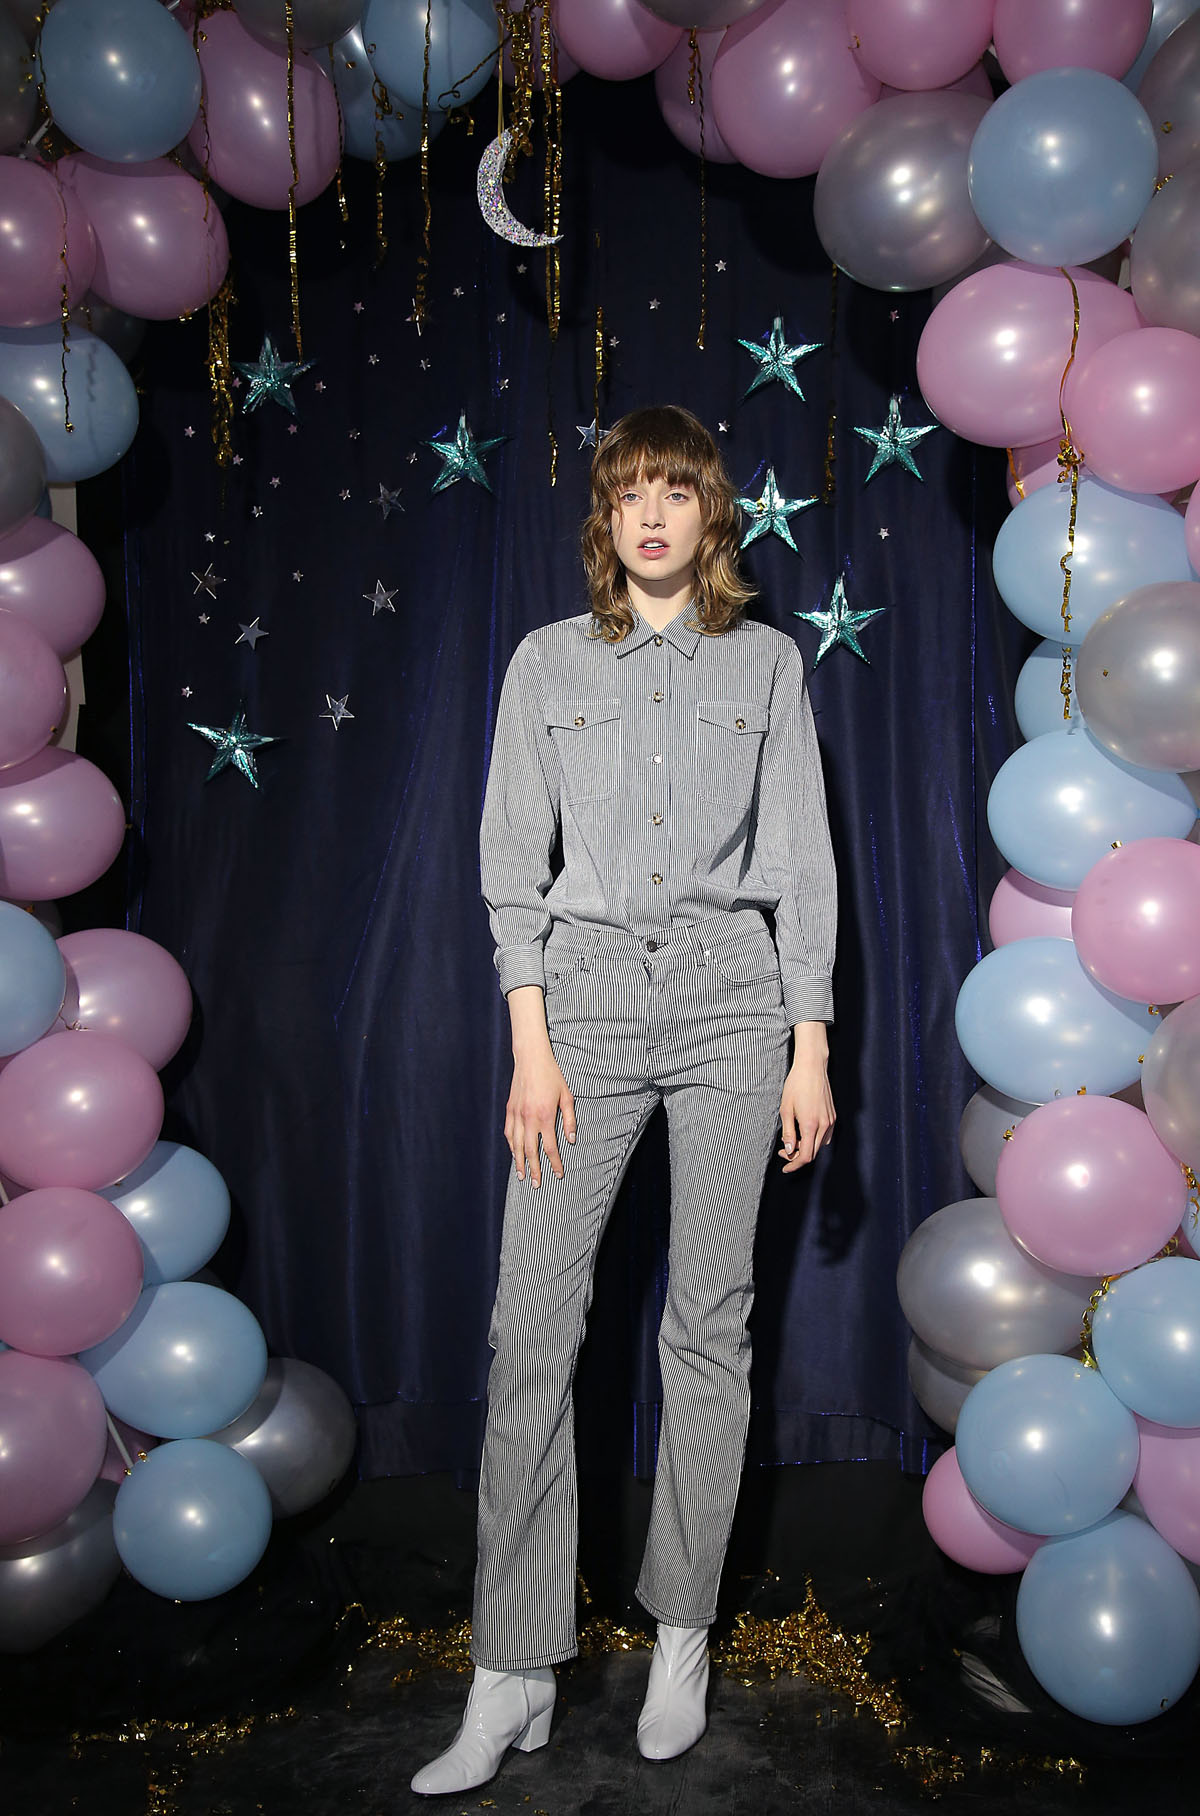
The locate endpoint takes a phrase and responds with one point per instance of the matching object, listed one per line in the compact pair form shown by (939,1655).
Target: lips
(654,545)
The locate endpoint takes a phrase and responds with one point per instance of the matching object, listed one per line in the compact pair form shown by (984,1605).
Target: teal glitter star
(776,359)
(892,442)
(234,744)
(270,377)
(771,511)
(839,624)
(462,458)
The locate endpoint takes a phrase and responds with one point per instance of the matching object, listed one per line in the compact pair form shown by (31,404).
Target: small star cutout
(654,303)
(462,458)
(884,533)
(720,265)
(208,536)
(203,617)
(503,384)
(271,378)
(839,624)
(293,428)
(771,511)
(776,359)
(354,434)
(503,316)
(296,574)
(381,599)
(372,359)
(613,341)
(590,434)
(458,289)
(256,510)
(234,744)
(276,481)
(237,460)
(424,365)
(186,692)
(344,494)
(894,316)
(388,501)
(250,633)
(189,431)
(522,269)
(320,385)
(338,710)
(358,308)
(722,428)
(412,459)
(207,582)
(894,442)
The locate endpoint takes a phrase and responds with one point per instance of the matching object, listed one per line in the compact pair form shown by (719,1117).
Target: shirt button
(581,721)
(651,945)
(740,723)
(656,878)
(657,695)
(658,641)
(656,819)
(657,756)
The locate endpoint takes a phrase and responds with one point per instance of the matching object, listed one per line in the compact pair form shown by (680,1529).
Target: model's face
(655,529)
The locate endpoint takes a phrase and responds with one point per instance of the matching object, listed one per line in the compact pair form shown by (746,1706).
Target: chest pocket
(729,739)
(587,737)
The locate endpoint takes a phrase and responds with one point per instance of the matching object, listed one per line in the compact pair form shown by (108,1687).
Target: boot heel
(536,1733)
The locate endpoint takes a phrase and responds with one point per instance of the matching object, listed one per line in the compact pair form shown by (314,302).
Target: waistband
(586,940)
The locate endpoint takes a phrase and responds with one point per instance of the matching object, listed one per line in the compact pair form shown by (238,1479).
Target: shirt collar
(677,634)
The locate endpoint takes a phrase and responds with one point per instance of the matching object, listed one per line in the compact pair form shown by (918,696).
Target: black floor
(856,1669)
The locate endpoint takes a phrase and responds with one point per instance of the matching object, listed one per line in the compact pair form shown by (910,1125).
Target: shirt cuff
(519,965)
(808,999)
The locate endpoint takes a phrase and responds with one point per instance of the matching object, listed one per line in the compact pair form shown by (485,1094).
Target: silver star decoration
(884,533)
(654,303)
(462,457)
(458,289)
(381,599)
(776,359)
(770,512)
(892,442)
(207,582)
(204,617)
(338,710)
(296,574)
(590,433)
(189,431)
(250,633)
(271,378)
(256,510)
(720,265)
(276,481)
(209,536)
(839,624)
(722,428)
(186,692)
(234,745)
(358,308)
(388,501)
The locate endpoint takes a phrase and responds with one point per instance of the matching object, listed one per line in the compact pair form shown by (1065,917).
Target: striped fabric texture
(682,773)
(696,1020)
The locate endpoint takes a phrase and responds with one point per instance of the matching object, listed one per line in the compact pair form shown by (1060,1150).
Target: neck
(658,608)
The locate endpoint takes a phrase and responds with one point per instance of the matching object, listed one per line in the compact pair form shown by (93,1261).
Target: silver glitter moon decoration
(489,187)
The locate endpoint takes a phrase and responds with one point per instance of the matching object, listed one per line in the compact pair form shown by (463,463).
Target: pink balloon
(993,352)
(975,82)
(61,826)
(161,246)
(33,690)
(1087,1187)
(1134,406)
(53,581)
(682,115)
(615,39)
(964,1530)
(113,1467)
(1069,34)
(70,1271)
(1191,529)
(1167,1483)
(241,131)
(565,66)
(122,984)
(1035,466)
(52,1437)
(1023,910)
(1136,920)
(785,82)
(37,222)
(920,43)
(77,1111)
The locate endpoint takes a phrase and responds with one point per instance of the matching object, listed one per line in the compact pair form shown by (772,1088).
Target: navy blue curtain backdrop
(350,1061)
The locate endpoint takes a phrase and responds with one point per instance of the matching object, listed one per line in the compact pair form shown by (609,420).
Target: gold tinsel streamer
(220,372)
(1069,460)
(1018,482)
(695,95)
(419,310)
(598,379)
(383,107)
(65,306)
(293,266)
(830,486)
(552,210)
(1168,1249)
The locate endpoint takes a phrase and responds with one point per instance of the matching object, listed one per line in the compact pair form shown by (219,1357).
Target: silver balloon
(705,15)
(1171,1082)
(891,204)
(299,1433)
(314,22)
(939,1385)
(1164,18)
(1170,93)
(1138,676)
(22,468)
(1164,255)
(981,1132)
(122,332)
(976,1296)
(57,1578)
(18,91)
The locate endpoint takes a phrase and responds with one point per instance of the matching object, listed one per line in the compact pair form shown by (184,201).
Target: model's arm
(517,835)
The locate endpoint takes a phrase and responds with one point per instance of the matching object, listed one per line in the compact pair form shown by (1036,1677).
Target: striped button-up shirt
(661,780)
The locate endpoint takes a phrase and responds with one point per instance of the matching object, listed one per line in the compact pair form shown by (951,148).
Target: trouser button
(651,945)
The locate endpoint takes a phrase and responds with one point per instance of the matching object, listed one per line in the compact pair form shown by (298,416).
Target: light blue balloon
(1045,1445)
(462,35)
(187,1360)
(354,80)
(192,1520)
(1039,697)
(33,979)
(1109,1621)
(1166,16)
(1062,166)
(1123,540)
(122,79)
(101,395)
(1061,802)
(179,1205)
(1146,1338)
(1035,1025)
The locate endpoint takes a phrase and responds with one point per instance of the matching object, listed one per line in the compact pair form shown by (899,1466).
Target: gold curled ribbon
(1069,460)
(598,379)
(695,95)
(830,485)
(552,119)
(220,372)
(419,307)
(293,265)
(1018,482)
(383,108)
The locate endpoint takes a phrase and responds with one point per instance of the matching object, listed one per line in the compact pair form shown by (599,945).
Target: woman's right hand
(538,1092)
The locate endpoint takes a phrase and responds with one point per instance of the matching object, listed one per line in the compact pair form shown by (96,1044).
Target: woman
(667,745)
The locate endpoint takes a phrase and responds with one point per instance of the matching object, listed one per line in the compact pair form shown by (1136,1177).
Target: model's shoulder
(764,639)
(562,634)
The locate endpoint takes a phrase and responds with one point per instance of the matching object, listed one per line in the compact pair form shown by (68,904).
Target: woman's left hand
(806,1108)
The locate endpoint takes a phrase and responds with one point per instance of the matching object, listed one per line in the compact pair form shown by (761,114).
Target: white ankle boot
(504,1709)
(673,1716)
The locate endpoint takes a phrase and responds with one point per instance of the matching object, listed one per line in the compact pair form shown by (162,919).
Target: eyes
(678,496)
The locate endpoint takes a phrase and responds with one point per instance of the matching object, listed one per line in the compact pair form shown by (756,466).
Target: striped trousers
(695,1021)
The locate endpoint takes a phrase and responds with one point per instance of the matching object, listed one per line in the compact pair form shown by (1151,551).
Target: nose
(652,514)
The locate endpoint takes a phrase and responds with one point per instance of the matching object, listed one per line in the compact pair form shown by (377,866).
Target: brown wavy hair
(664,442)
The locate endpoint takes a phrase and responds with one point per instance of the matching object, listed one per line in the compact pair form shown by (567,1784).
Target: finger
(535,1163)
(550,1148)
(517,1144)
(788,1120)
(567,1104)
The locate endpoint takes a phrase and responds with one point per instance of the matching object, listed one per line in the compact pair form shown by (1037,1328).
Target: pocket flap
(734,715)
(744,960)
(576,714)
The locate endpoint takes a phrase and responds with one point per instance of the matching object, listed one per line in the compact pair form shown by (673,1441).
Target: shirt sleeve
(520,826)
(794,849)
